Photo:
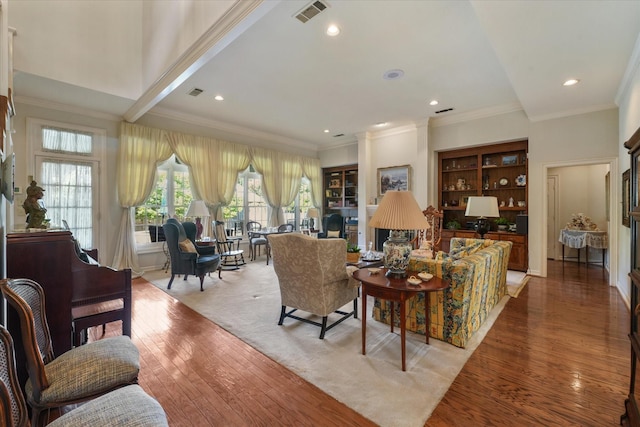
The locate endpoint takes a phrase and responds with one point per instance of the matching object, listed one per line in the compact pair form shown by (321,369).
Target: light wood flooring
(558,355)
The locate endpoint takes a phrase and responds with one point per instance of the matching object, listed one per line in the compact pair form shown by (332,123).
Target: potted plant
(502,223)
(453,225)
(353,253)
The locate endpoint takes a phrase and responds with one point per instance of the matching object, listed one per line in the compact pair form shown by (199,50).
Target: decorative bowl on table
(425,276)
(373,270)
(413,280)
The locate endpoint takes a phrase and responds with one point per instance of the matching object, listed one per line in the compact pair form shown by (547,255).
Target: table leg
(403,327)
(563,253)
(364,317)
(393,310)
(427,315)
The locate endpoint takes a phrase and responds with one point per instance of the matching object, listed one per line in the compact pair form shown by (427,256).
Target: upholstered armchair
(332,227)
(313,277)
(185,258)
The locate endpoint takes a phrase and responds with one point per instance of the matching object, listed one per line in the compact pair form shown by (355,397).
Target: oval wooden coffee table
(395,290)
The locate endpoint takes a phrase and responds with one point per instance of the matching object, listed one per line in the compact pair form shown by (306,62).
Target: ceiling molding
(52,105)
(475,114)
(233,129)
(630,73)
(578,111)
(239,17)
(393,131)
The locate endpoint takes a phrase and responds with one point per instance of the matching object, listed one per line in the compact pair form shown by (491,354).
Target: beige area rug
(247,304)
(516,281)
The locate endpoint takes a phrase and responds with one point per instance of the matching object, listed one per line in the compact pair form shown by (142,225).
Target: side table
(395,290)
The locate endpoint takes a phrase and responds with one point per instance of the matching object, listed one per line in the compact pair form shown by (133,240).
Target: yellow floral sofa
(477,271)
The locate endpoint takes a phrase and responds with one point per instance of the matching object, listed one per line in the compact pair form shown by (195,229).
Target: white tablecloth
(582,238)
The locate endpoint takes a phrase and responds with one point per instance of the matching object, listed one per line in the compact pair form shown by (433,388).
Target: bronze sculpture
(35,209)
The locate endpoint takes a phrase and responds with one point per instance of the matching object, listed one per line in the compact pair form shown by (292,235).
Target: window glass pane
(256,206)
(69,196)
(234,213)
(66,141)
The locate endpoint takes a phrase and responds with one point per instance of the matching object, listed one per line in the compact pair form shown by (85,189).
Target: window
(67,164)
(170,198)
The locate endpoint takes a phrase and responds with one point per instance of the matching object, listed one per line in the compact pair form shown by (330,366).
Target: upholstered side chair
(255,240)
(332,227)
(313,277)
(78,375)
(185,258)
(129,405)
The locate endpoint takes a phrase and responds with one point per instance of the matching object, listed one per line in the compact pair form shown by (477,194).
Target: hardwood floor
(557,355)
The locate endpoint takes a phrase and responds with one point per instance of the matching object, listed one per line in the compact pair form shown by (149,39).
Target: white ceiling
(288,80)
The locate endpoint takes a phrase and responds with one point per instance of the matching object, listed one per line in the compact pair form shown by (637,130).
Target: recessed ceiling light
(393,74)
(333,30)
(326,131)
(571,82)
(218,98)
(434,102)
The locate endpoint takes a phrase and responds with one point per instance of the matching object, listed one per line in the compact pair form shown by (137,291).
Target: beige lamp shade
(483,206)
(313,213)
(399,210)
(197,208)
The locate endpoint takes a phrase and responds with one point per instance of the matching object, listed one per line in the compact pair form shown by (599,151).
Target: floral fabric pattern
(478,283)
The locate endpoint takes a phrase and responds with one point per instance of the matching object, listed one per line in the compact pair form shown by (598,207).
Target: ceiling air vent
(444,111)
(338,135)
(310,11)
(195,91)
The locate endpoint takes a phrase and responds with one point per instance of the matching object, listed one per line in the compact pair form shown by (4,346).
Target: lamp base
(482,226)
(396,250)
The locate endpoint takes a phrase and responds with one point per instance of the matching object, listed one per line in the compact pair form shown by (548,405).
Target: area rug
(246,303)
(516,281)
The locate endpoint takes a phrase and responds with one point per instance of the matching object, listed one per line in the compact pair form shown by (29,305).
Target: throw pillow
(187,246)
(333,233)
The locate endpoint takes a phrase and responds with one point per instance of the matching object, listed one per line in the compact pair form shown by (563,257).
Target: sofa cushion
(464,251)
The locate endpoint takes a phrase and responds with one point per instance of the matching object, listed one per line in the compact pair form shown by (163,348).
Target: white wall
(91,44)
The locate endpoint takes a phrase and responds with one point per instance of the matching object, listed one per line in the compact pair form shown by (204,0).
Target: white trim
(630,72)
(480,113)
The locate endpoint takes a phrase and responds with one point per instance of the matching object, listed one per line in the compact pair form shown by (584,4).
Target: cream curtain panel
(281,175)
(141,149)
(213,166)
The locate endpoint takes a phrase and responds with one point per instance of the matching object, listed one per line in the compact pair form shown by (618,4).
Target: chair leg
(171,281)
(219,272)
(324,327)
(355,308)
(201,282)
(282,314)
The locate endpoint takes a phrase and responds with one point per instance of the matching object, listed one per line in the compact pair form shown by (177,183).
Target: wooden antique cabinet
(498,170)
(340,187)
(632,414)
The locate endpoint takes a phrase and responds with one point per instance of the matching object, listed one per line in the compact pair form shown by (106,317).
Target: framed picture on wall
(626,197)
(394,178)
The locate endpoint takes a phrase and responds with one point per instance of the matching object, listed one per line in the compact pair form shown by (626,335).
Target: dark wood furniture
(498,170)
(340,186)
(395,290)
(69,284)
(632,411)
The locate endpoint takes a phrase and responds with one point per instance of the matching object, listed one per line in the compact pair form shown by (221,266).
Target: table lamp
(482,207)
(398,211)
(198,209)
(311,214)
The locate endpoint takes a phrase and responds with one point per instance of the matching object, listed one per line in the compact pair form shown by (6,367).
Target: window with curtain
(248,203)
(66,163)
(170,198)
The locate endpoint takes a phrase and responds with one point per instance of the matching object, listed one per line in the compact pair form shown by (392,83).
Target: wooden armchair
(432,235)
(313,277)
(231,257)
(129,405)
(81,374)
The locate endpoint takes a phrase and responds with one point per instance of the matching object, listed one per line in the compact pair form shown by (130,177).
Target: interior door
(552,217)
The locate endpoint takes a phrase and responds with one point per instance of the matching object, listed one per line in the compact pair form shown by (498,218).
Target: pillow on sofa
(187,246)
(333,233)
(466,250)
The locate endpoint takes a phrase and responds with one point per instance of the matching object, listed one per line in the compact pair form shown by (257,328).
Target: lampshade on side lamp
(482,207)
(198,210)
(312,213)
(398,212)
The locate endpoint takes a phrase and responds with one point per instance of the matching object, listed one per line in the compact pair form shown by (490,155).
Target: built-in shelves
(341,189)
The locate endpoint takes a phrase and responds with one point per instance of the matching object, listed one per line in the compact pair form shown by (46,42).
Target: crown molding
(58,106)
(233,129)
(480,113)
(569,113)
